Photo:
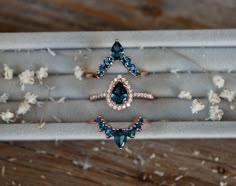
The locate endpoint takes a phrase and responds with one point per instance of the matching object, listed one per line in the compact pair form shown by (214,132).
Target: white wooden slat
(84,110)
(179,38)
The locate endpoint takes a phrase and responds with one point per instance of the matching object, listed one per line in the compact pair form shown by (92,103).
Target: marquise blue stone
(120,138)
(133,68)
(119,94)
(117,51)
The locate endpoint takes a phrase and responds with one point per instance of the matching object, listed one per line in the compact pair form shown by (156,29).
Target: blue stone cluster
(117,53)
(107,62)
(120,135)
(126,61)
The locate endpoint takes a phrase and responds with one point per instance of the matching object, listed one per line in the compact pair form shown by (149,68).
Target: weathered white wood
(82,131)
(180,38)
(83,110)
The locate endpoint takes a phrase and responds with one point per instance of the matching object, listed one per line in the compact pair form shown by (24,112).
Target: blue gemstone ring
(117,54)
(120,95)
(120,135)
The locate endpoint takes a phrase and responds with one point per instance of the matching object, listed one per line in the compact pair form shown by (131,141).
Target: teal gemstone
(109,132)
(120,138)
(133,68)
(107,61)
(126,61)
(102,68)
(119,94)
(100,74)
(131,132)
(117,51)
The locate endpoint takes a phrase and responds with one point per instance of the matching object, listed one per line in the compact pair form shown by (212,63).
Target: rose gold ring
(120,95)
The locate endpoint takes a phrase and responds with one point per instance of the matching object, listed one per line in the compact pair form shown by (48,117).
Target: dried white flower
(213,98)
(31,98)
(218,81)
(197,106)
(185,95)
(78,72)
(228,94)
(26,77)
(4,97)
(7,116)
(215,113)
(24,107)
(41,74)
(8,72)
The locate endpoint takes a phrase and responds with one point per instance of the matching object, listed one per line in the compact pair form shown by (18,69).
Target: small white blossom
(24,107)
(26,77)
(215,113)
(7,116)
(4,97)
(78,72)
(31,98)
(41,74)
(218,81)
(8,72)
(213,98)
(197,106)
(185,95)
(228,94)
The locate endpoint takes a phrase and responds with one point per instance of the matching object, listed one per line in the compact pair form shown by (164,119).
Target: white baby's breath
(228,94)
(41,74)
(26,77)
(7,116)
(218,81)
(31,98)
(197,106)
(8,72)
(185,95)
(213,98)
(23,108)
(78,72)
(215,113)
(4,97)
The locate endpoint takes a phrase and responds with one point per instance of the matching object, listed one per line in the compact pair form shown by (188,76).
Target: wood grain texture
(149,163)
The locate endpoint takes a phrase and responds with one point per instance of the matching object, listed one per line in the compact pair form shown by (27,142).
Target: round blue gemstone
(120,138)
(117,51)
(107,61)
(102,67)
(119,94)
(132,68)
(126,61)
(100,74)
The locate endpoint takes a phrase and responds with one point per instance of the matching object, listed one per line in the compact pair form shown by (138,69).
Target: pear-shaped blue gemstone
(119,94)
(120,138)
(117,51)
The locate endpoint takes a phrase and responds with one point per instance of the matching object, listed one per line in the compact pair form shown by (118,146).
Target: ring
(120,134)
(117,54)
(120,95)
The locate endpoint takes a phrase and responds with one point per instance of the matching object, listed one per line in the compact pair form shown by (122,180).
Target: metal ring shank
(103,95)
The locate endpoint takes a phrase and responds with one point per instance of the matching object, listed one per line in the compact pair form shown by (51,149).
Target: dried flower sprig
(7,72)
(26,77)
(79,72)
(41,74)
(8,116)
(197,106)
(4,97)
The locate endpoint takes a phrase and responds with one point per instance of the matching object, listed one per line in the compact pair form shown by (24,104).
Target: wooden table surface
(150,162)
